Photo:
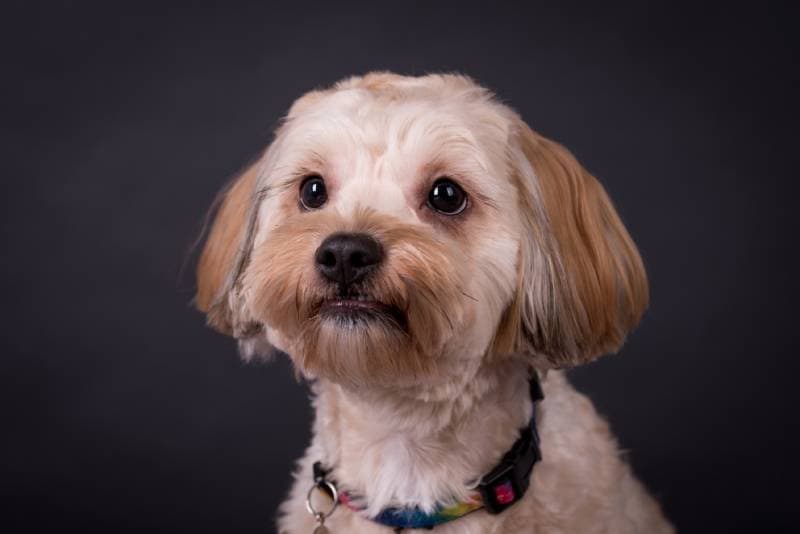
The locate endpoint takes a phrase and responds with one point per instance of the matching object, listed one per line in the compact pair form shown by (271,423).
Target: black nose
(348,258)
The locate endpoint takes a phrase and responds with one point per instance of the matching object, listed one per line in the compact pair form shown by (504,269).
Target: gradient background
(121,412)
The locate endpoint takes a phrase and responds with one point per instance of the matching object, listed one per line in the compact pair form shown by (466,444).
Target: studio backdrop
(122,412)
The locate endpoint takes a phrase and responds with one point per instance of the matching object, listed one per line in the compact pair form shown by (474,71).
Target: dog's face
(398,228)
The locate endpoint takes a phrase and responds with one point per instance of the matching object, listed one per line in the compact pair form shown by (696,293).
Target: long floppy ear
(583,285)
(224,248)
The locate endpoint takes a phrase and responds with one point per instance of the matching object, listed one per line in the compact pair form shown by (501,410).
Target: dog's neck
(395,448)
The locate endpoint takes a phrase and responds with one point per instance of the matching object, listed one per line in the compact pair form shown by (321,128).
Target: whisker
(297,298)
(467,294)
(432,302)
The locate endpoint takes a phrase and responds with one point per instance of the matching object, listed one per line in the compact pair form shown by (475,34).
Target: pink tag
(504,493)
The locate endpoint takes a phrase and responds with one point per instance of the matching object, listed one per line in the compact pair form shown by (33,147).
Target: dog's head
(399,226)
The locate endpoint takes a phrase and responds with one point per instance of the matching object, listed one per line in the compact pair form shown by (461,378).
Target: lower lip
(362,310)
(347,305)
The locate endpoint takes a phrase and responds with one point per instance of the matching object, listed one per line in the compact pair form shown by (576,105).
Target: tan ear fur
(598,286)
(222,249)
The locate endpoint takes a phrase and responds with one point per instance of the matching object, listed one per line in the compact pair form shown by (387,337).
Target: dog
(431,264)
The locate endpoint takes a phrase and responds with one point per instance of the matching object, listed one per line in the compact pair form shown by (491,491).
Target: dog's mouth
(353,308)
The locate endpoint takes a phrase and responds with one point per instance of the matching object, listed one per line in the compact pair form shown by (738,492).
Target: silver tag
(322,529)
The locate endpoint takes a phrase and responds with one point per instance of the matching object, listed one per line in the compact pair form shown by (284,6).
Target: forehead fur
(389,87)
(444,120)
(384,104)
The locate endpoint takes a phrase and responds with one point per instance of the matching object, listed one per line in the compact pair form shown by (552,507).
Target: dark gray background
(122,412)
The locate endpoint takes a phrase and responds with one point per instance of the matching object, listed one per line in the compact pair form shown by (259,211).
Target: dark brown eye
(313,193)
(447,197)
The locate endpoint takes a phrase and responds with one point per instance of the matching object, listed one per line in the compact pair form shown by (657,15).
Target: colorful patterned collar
(497,490)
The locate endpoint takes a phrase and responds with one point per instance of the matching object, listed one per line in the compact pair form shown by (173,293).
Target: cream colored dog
(418,251)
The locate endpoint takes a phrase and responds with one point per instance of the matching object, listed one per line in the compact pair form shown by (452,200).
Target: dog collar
(498,489)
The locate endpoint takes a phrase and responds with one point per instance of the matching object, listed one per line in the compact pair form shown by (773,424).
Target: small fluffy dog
(428,262)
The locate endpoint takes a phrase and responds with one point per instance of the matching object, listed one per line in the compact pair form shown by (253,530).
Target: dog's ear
(216,268)
(582,284)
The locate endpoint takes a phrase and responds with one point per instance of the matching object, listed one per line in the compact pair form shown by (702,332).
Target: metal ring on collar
(331,492)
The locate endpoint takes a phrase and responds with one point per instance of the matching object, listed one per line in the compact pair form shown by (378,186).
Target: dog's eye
(313,193)
(447,197)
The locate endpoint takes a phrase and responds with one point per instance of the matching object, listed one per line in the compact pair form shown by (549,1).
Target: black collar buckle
(509,480)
